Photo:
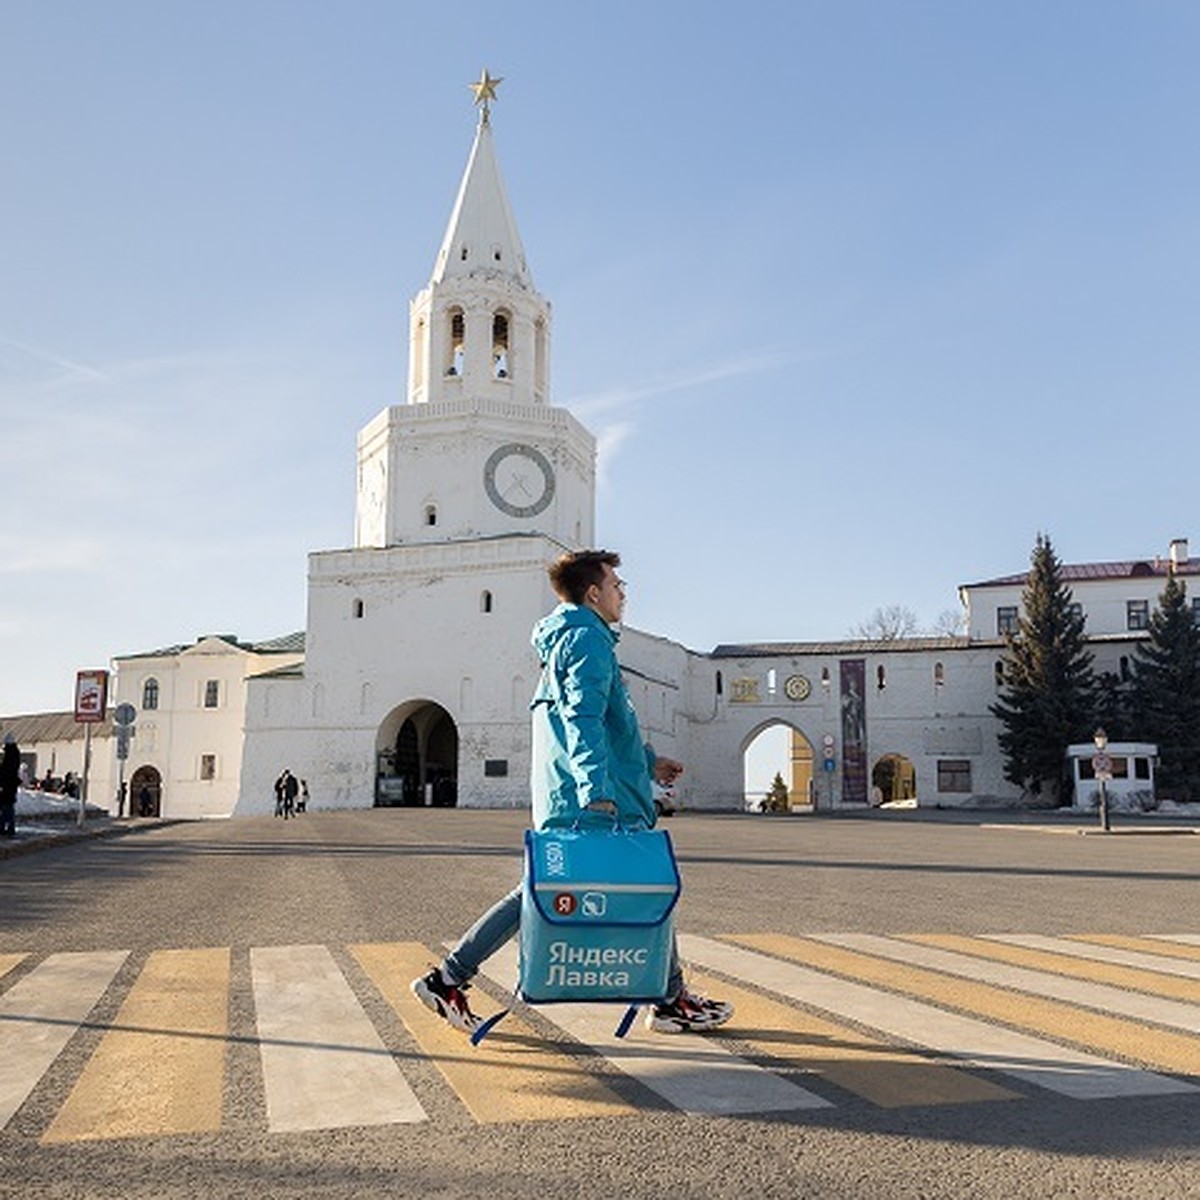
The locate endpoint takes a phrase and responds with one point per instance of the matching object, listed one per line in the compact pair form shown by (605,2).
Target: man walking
(590,768)
(10,779)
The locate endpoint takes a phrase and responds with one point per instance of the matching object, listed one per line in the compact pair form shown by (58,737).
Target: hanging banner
(854,731)
(91,695)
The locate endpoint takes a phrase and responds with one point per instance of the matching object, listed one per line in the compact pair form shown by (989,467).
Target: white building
(412,680)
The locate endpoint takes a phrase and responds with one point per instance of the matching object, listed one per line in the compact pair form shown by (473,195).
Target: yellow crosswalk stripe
(1145,945)
(161,1067)
(1176,1053)
(1134,978)
(513,1075)
(888,1076)
(8,961)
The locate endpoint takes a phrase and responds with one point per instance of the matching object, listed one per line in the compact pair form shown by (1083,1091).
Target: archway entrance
(893,779)
(416,753)
(777,769)
(145,793)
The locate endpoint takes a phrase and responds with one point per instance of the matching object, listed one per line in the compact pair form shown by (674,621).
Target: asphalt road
(209,919)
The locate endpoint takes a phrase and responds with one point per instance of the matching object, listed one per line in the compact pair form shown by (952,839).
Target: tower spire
(485,93)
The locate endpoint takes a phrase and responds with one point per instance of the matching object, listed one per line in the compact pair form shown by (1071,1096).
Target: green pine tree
(776,800)
(1047,701)
(1166,693)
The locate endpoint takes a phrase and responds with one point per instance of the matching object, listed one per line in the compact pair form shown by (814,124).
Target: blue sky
(857,296)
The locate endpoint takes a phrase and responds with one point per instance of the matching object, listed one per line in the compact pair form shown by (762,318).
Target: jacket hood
(562,620)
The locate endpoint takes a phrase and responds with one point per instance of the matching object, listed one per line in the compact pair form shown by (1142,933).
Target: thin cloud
(66,365)
(750,364)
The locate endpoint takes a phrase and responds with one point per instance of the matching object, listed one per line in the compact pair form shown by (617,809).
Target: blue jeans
(500,923)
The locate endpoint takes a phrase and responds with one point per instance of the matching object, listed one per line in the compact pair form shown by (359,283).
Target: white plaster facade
(189,735)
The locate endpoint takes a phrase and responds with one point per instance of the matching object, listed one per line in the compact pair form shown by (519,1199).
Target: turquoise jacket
(586,742)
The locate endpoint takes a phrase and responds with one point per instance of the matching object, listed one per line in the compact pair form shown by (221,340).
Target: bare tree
(951,622)
(887,624)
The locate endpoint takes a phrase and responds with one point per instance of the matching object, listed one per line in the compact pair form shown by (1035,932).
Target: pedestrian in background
(10,778)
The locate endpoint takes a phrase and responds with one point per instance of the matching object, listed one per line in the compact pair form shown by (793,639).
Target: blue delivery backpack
(597,918)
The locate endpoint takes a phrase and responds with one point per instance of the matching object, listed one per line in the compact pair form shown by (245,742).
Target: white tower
(418,670)
(477,450)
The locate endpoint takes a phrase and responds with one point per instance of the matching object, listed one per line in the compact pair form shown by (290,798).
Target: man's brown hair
(573,573)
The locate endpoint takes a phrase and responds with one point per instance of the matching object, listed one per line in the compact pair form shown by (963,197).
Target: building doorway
(778,754)
(145,793)
(417,757)
(893,780)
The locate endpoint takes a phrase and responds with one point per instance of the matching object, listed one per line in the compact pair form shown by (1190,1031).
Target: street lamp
(1102,768)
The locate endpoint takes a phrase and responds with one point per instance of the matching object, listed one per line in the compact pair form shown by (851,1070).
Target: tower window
(880,677)
(998,673)
(150,695)
(212,693)
(208,766)
(357,609)
(500,346)
(496,255)
(1007,620)
(463,254)
(485,602)
(1124,665)
(431,514)
(939,674)
(458,329)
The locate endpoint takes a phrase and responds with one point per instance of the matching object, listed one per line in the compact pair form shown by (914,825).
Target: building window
(208,766)
(485,602)
(500,346)
(495,768)
(458,329)
(998,673)
(720,683)
(1124,667)
(1075,609)
(939,674)
(149,695)
(954,775)
(1007,620)
(431,514)
(880,677)
(1137,614)
(357,609)
(212,693)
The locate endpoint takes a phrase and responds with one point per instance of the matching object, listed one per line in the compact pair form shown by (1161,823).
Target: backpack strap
(626,1021)
(487,1026)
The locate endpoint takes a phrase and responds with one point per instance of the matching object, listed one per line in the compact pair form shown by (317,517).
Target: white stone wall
(424,635)
(174,737)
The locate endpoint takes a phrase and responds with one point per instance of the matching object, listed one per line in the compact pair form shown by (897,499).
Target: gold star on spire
(485,90)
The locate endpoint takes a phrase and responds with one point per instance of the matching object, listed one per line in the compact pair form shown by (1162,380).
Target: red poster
(91,695)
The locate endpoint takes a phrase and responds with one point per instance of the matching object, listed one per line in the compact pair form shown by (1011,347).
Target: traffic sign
(124,714)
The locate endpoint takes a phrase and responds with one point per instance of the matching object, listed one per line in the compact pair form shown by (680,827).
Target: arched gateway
(416,757)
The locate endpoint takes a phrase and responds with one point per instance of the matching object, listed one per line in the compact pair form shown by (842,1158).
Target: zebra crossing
(823,1020)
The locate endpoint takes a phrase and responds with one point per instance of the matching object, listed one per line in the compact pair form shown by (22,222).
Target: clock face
(797,687)
(519,480)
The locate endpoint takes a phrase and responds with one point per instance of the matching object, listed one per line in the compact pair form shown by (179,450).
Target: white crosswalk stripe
(1104,954)
(926,1019)
(1033,1060)
(687,1070)
(1171,1013)
(324,1064)
(40,1014)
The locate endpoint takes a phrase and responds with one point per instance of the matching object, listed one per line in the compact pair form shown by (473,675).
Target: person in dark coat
(10,779)
(290,790)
